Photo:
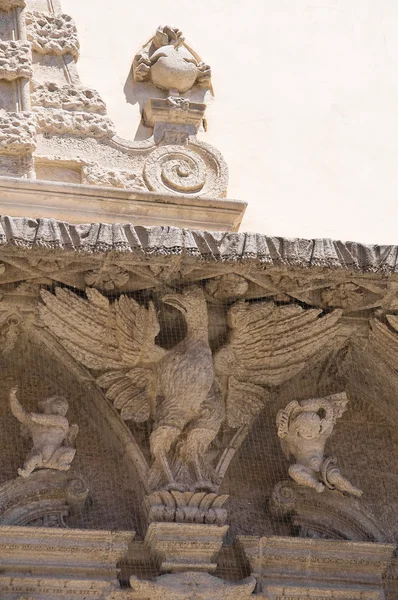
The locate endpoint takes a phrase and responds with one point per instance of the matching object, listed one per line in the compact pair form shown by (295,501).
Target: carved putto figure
(304,429)
(169,64)
(52,436)
(186,391)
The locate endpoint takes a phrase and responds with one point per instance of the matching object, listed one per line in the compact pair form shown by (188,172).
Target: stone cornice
(123,213)
(83,203)
(62,551)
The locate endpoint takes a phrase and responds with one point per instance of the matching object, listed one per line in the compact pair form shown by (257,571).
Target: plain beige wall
(305,109)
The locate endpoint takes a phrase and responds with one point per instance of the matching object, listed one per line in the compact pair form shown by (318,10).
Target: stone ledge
(57,551)
(77,203)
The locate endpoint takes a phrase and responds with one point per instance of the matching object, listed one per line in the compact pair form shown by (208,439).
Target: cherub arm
(283,419)
(17,410)
(72,434)
(49,420)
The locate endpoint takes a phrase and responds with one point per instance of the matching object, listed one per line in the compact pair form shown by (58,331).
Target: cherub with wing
(185,391)
(304,429)
(53,438)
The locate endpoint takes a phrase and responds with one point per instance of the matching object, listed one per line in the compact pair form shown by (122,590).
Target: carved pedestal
(185,546)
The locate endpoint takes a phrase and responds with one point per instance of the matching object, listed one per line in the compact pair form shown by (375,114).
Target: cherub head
(55,405)
(308,425)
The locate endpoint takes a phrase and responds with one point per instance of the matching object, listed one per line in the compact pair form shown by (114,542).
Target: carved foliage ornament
(15,60)
(17,132)
(186,390)
(67,97)
(52,33)
(169,64)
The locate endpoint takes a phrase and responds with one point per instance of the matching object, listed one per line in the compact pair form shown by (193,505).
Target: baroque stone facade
(154,374)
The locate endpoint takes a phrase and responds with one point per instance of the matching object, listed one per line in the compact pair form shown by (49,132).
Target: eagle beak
(174,300)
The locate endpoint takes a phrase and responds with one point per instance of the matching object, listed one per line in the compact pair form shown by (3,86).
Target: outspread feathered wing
(268,344)
(117,339)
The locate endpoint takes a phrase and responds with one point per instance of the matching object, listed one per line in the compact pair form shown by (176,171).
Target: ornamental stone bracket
(185,546)
(297,568)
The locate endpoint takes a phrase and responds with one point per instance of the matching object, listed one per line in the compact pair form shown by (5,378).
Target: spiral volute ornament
(175,169)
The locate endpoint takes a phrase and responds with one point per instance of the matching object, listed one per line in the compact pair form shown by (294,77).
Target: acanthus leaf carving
(52,33)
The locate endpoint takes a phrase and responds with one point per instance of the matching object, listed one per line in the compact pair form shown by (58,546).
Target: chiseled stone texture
(52,33)
(120,178)
(15,60)
(67,97)
(58,122)
(17,132)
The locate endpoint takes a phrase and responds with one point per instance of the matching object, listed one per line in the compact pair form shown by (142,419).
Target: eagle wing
(268,344)
(116,338)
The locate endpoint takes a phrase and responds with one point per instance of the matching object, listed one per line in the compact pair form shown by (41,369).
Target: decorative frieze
(297,568)
(67,97)
(17,132)
(55,121)
(15,60)
(52,33)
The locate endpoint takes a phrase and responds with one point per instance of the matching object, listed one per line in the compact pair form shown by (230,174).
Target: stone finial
(52,436)
(304,429)
(168,63)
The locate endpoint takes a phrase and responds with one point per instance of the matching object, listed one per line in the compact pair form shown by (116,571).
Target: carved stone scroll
(45,499)
(329,515)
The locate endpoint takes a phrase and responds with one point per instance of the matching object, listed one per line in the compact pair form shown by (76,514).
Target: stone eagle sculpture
(186,391)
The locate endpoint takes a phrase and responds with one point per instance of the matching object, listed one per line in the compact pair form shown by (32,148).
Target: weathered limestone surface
(177,351)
